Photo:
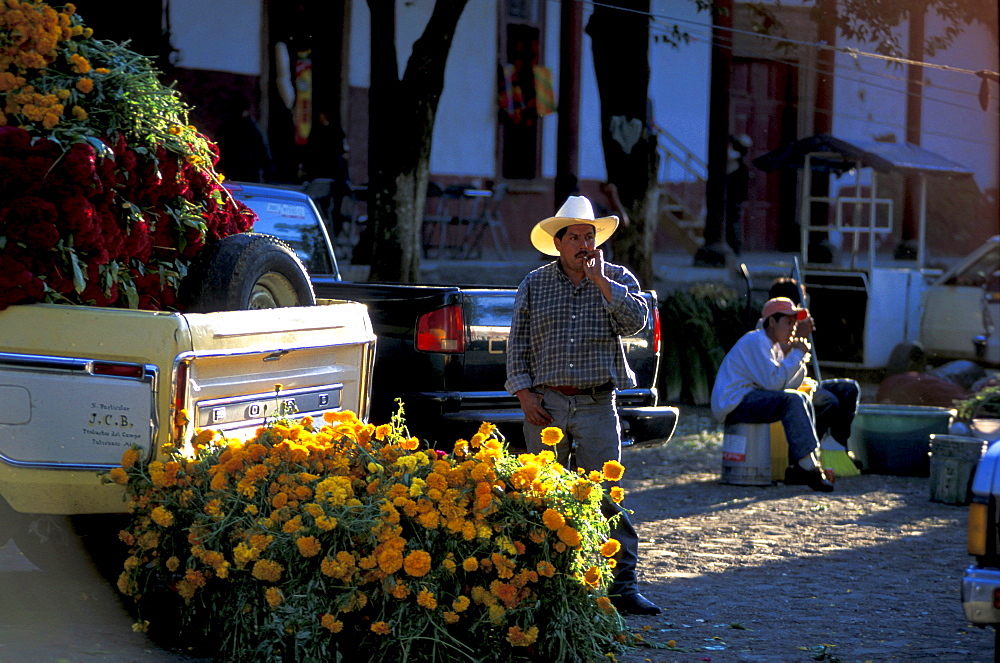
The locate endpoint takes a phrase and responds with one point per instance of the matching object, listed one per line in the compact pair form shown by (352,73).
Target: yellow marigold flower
(87,34)
(495,613)
(553,519)
(383,431)
(102,70)
(331,623)
(293,525)
(131,562)
(582,489)
(79,63)
(410,444)
(162,517)
(326,523)
(273,596)
(546,569)
(141,627)
(381,628)
(85,85)
(417,563)
(173,563)
(118,475)
(268,571)
(617,493)
(309,546)
(450,617)
(449,565)
(130,457)
(461,604)
(610,548)
(470,564)
(595,476)
(613,470)
(552,436)
(604,603)
(569,536)
(519,638)
(426,599)
(592,576)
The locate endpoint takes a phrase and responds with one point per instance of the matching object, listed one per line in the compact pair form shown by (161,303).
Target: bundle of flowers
(316,540)
(106,192)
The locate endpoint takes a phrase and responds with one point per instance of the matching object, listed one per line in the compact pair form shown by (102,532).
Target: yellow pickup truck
(80,385)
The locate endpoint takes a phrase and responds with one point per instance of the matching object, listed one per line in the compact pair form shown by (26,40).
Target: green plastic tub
(895,439)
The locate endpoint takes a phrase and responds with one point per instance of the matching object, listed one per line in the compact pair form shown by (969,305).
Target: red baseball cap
(783,306)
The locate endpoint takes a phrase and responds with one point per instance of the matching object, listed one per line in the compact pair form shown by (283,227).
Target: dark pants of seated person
(835,403)
(791,408)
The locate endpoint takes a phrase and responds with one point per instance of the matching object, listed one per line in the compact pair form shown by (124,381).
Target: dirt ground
(869,572)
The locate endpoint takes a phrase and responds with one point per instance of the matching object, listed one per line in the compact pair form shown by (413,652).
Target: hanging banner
(545,97)
(303,108)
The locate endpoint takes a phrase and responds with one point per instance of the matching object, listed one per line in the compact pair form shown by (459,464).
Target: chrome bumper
(978,588)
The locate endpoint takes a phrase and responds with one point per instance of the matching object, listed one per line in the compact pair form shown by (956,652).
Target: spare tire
(246,271)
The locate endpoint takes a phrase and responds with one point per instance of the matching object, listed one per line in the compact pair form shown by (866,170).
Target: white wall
(870,99)
(221,35)
(465,128)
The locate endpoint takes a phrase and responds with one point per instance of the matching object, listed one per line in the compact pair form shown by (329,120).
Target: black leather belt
(577,391)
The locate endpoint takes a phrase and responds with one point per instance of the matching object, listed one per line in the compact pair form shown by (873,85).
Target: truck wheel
(247,271)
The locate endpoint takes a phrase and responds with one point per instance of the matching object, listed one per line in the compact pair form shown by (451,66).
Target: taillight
(976,534)
(117,370)
(656,329)
(441,330)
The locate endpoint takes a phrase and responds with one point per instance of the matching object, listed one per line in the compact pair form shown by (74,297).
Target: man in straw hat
(758,383)
(565,359)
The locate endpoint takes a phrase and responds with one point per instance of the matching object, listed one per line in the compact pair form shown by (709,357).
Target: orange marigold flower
(383,431)
(553,519)
(519,638)
(273,596)
(118,475)
(381,628)
(130,457)
(569,536)
(552,436)
(461,604)
(450,617)
(85,85)
(592,576)
(162,517)
(617,493)
(417,563)
(426,599)
(604,603)
(613,470)
(546,569)
(331,623)
(266,570)
(610,548)
(309,546)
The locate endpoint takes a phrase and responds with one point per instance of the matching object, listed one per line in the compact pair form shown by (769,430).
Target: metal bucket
(746,454)
(953,460)
(895,439)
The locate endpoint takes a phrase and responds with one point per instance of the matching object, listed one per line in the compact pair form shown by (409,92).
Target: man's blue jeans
(591,437)
(835,403)
(792,408)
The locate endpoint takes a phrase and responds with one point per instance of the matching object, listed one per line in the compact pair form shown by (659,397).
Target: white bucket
(953,460)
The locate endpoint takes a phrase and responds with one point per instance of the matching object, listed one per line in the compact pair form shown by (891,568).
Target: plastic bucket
(953,460)
(895,439)
(746,454)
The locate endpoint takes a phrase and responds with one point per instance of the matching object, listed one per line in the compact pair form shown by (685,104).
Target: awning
(835,155)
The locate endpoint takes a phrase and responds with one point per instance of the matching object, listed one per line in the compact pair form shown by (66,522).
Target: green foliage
(700,325)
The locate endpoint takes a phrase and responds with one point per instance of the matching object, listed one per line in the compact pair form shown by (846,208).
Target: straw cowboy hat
(576,209)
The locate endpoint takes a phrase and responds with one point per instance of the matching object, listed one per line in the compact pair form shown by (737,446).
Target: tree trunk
(620,42)
(400,128)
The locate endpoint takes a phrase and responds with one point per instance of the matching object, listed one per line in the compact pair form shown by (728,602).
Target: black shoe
(796,475)
(634,603)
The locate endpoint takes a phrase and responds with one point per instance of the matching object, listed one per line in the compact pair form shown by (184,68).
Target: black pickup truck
(442,349)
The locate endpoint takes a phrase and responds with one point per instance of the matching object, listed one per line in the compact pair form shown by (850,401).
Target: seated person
(758,381)
(835,402)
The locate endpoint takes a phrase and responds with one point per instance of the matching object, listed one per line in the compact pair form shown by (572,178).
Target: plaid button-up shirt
(569,335)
